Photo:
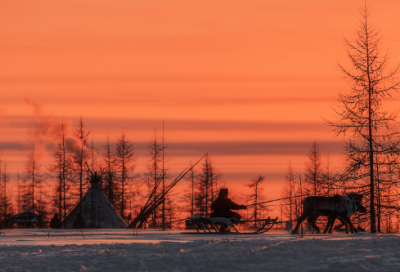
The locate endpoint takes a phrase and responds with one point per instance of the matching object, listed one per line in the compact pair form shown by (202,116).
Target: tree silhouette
(330,180)
(32,182)
(189,193)
(155,174)
(207,186)
(6,205)
(313,171)
(109,173)
(290,204)
(125,160)
(372,130)
(62,168)
(153,203)
(81,155)
(256,196)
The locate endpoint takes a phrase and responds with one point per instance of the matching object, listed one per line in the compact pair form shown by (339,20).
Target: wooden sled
(220,225)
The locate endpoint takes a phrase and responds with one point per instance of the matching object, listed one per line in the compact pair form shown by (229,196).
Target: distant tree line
(63,184)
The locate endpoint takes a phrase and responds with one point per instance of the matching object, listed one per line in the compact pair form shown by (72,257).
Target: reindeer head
(357,198)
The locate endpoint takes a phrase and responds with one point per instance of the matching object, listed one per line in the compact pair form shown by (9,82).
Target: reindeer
(335,207)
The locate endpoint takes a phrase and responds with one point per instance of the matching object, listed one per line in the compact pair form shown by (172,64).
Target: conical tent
(94,211)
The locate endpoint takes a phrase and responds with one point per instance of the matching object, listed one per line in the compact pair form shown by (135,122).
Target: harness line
(272,200)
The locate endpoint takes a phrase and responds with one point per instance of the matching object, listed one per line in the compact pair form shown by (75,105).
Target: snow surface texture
(96,210)
(143,250)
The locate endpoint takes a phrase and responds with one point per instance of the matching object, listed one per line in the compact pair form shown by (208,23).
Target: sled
(221,225)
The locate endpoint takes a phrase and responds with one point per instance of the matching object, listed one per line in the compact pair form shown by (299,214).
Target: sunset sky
(247,81)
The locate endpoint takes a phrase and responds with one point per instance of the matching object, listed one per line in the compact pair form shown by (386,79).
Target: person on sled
(222,206)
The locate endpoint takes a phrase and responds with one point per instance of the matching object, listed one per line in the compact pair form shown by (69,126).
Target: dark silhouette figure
(222,206)
(55,222)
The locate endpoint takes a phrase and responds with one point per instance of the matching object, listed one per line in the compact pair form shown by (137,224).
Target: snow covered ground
(144,250)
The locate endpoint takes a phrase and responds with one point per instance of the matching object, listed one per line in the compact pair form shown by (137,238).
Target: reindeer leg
(312,220)
(315,217)
(315,222)
(343,223)
(299,220)
(326,227)
(328,224)
(332,223)
(352,228)
(346,226)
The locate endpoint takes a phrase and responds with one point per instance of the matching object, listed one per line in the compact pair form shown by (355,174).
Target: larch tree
(164,177)
(329,180)
(171,212)
(155,174)
(290,207)
(66,173)
(207,186)
(62,168)
(32,182)
(371,128)
(189,195)
(81,156)
(313,171)
(125,164)
(42,201)
(203,194)
(6,207)
(110,185)
(216,181)
(18,194)
(256,197)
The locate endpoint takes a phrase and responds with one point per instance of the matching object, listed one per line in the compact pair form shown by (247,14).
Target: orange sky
(247,81)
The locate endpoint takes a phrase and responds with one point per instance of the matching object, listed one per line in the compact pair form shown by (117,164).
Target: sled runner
(221,225)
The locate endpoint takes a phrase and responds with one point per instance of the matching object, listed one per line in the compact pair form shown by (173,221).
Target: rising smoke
(46,132)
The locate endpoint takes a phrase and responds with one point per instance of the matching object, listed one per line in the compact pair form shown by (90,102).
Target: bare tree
(42,202)
(164,177)
(330,180)
(125,161)
(372,130)
(151,203)
(290,204)
(18,195)
(216,181)
(110,186)
(155,174)
(62,167)
(313,171)
(257,196)
(203,185)
(81,156)
(171,212)
(5,194)
(32,182)
(189,196)
(207,191)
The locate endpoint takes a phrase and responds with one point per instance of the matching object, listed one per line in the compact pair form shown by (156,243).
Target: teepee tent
(94,211)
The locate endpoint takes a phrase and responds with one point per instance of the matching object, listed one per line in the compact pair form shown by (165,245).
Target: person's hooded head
(223,192)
